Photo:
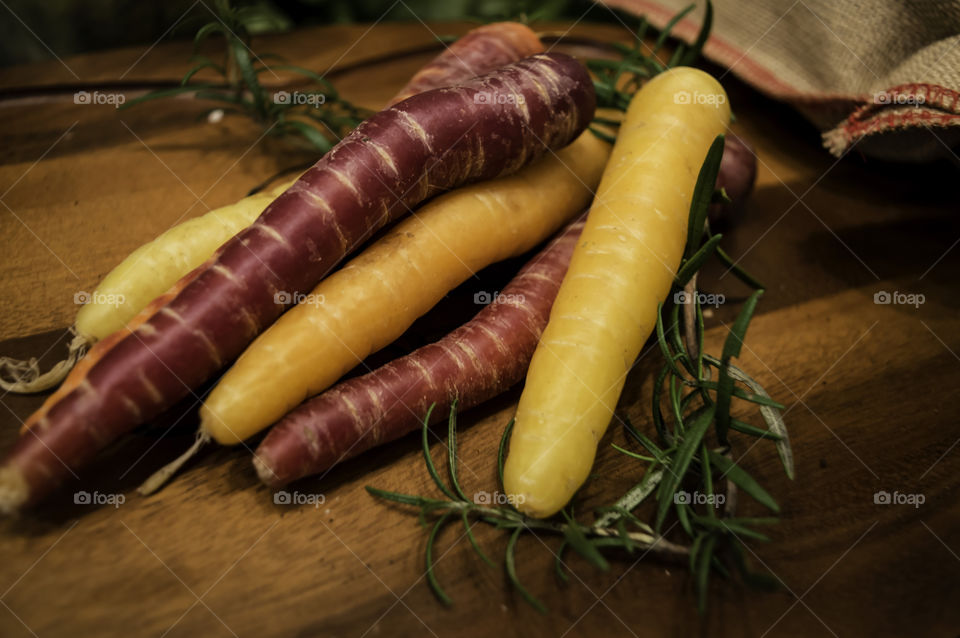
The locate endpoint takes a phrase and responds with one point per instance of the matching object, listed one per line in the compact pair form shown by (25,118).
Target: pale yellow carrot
(151,269)
(148,272)
(622,267)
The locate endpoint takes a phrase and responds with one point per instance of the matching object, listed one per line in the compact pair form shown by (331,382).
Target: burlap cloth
(882,76)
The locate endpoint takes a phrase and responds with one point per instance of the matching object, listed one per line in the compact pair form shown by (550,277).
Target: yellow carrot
(622,267)
(148,272)
(373,299)
(151,269)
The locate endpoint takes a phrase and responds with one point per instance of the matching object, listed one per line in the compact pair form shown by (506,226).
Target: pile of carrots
(484,155)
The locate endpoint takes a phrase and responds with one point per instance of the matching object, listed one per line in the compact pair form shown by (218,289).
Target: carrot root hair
(24,377)
(159,478)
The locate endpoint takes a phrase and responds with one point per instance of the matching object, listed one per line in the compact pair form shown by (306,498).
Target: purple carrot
(488,126)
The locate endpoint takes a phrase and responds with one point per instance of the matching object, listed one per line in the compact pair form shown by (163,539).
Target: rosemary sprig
(628,533)
(314,115)
(617,80)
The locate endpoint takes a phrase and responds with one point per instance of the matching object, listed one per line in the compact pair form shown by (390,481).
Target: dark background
(69,27)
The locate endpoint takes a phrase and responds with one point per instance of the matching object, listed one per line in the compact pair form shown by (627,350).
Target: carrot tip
(266,474)
(14,490)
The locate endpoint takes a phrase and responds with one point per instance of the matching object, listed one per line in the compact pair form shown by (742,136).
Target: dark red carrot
(472,364)
(479,50)
(394,160)
(738,172)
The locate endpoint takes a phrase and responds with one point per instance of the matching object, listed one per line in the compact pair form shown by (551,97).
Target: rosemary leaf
(206,31)
(581,544)
(658,421)
(693,53)
(770,413)
(696,261)
(639,457)
(502,453)
(397,497)
(668,356)
(558,563)
(740,273)
(629,501)
(683,517)
(702,194)
(452,451)
(163,93)
(644,440)
(511,565)
(311,134)
(241,56)
(329,92)
(665,33)
(695,551)
(743,480)
(729,525)
(429,459)
(746,428)
(473,540)
(702,571)
(205,64)
(431,575)
(759,399)
(684,454)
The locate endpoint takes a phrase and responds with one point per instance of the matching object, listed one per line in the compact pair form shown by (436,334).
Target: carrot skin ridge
(472,364)
(397,158)
(479,50)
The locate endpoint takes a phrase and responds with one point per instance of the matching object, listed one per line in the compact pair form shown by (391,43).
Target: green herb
(617,80)
(588,540)
(313,115)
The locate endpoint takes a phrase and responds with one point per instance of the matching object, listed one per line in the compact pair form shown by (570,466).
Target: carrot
(151,269)
(146,273)
(394,160)
(474,363)
(480,50)
(622,267)
(371,301)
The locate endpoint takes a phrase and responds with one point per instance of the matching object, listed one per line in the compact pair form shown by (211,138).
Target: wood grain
(871,390)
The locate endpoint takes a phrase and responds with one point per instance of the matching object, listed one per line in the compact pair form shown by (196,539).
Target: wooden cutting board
(871,390)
